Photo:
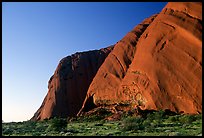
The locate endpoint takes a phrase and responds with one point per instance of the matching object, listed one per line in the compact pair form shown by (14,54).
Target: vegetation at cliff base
(153,124)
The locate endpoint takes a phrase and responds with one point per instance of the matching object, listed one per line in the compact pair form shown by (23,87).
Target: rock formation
(68,86)
(157,65)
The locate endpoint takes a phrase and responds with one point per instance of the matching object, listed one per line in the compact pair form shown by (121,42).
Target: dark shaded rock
(69,84)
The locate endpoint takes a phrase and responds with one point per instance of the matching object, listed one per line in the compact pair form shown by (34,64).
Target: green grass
(153,124)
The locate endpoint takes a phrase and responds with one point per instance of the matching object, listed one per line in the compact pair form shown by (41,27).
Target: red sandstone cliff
(158,68)
(69,84)
(157,65)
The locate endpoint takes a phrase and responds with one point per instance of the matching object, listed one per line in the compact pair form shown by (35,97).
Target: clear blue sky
(36,36)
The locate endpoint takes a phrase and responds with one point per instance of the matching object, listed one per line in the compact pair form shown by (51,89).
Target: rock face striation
(157,65)
(68,86)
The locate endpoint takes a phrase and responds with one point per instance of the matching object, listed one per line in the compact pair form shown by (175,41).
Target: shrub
(147,124)
(29,124)
(7,131)
(160,114)
(173,118)
(57,124)
(150,117)
(197,117)
(133,123)
(187,119)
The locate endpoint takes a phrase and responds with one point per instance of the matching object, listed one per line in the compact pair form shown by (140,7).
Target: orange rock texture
(157,65)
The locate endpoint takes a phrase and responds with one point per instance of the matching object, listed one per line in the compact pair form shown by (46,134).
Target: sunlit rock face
(68,86)
(158,65)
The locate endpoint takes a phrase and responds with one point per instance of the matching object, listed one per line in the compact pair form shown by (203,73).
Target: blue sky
(36,35)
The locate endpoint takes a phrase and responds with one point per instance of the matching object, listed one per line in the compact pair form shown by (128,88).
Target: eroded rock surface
(158,65)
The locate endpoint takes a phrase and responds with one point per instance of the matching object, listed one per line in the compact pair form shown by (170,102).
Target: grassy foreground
(154,124)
